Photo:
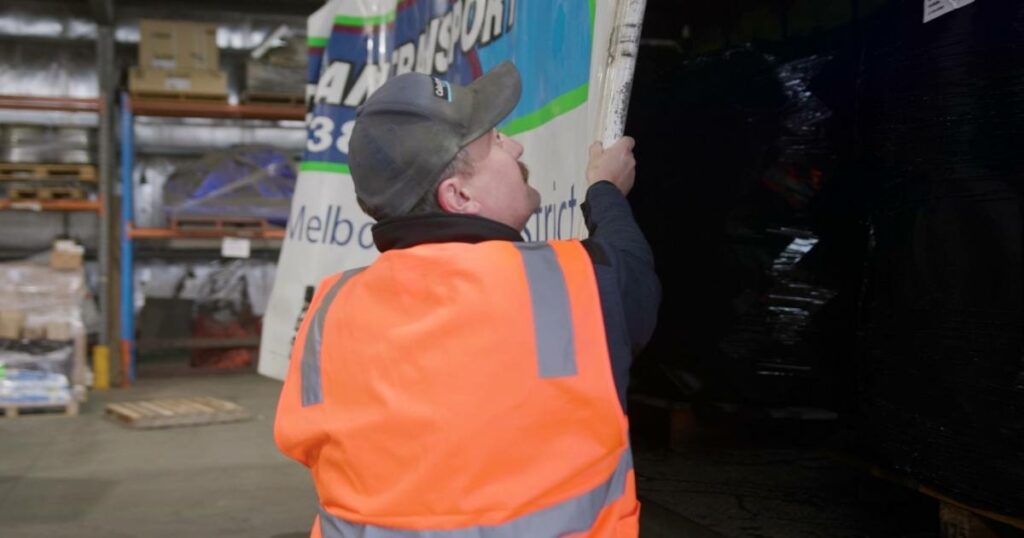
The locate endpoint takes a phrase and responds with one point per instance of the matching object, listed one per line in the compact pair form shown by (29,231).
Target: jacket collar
(405,232)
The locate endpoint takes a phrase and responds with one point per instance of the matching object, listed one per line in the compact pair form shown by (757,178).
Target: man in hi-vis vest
(468,384)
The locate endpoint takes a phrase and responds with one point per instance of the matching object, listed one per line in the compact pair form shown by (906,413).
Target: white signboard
(937,8)
(562,50)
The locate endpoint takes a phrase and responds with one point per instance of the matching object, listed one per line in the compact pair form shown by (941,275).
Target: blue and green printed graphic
(456,41)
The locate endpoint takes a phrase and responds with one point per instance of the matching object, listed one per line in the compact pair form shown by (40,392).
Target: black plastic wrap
(896,145)
(802,117)
(773,334)
(942,111)
(733,160)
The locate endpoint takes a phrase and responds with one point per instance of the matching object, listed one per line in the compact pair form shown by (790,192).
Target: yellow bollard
(100,367)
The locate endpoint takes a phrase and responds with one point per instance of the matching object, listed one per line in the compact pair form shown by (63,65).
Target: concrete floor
(88,476)
(780,493)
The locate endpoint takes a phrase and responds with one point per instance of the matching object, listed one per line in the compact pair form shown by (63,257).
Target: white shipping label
(937,8)
(163,63)
(235,247)
(178,83)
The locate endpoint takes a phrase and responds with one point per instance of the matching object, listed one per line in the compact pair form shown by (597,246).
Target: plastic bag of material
(25,386)
(41,332)
(277,67)
(224,311)
(255,182)
(41,302)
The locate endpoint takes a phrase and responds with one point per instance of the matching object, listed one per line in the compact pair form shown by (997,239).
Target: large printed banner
(560,48)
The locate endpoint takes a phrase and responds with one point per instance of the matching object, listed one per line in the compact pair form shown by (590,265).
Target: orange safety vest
(458,390)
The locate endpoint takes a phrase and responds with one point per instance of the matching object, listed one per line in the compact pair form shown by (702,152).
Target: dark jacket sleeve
(624,267)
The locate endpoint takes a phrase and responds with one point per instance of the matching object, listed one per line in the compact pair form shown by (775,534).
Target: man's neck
(405,232)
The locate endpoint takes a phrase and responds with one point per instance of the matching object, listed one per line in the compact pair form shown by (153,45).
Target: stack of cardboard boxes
(66,254)
(13,327)
(178,58)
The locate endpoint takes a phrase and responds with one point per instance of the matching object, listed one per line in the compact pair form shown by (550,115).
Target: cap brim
(495,95)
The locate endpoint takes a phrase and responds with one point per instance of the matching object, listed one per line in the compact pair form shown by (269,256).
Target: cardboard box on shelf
(178,46)
(33,331)
(197,83)
(11,324)
(58,330)
(66,255)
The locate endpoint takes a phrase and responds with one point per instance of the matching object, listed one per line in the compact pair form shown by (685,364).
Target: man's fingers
(595,150)
(624,144)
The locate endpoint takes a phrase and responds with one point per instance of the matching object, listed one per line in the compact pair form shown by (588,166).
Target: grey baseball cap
(412,127)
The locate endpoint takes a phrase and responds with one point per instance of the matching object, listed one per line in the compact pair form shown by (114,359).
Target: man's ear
(454,197)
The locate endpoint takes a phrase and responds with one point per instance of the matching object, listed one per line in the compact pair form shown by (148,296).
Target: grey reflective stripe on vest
(574,515)
(552,317)
(312,386)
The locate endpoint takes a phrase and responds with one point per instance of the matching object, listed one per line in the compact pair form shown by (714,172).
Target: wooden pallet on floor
(14,410)
(957,522)
(956,519)
(44,193)
(172,412)
(275,98)
(42,172)
(220,224)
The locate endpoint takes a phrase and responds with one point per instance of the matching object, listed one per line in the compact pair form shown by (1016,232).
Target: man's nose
(516,148)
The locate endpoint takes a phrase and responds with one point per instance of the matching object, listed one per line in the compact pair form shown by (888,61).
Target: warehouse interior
(831,188)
